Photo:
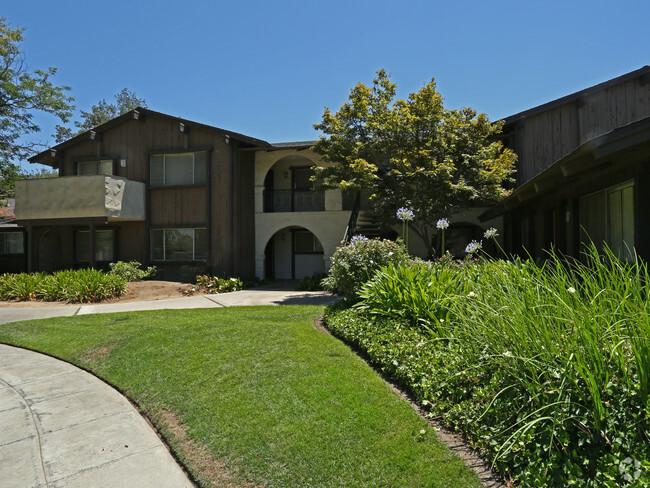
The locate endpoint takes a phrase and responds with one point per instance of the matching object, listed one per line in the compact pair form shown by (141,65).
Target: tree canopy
(412,153)
(23,93)
(101,112)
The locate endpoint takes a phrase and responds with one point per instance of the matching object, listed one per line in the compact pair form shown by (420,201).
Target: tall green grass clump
(73,286)
(545,367)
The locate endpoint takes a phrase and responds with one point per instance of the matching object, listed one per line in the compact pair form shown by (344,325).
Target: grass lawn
(255,396)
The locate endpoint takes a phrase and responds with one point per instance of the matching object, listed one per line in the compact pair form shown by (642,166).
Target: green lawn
(270,399)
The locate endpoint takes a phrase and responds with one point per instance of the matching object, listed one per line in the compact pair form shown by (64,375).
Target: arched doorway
(49,251)
(293,253)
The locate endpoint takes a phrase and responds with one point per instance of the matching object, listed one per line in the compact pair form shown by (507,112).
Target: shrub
(311,283)
(357,262)
(74,286)
(214,284)
(131,271)
(421,294)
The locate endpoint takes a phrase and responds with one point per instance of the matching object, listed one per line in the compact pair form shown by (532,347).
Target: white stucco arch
(328,227)
(265,161)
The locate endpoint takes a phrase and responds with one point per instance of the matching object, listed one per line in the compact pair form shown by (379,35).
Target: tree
(22,94)
(412,153)
(103,111)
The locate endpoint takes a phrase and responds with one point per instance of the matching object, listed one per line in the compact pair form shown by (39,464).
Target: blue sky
(268,69)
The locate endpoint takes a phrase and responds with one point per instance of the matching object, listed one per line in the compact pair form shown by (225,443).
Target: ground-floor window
(104,245)
(11,243)
(184,244)
(607,216)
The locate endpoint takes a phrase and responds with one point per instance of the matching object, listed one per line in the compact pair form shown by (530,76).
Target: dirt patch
(140,291)
(97,354)
(447,436)
(198,456)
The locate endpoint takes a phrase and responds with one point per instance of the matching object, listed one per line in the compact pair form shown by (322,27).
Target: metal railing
(352,222)
(294,201)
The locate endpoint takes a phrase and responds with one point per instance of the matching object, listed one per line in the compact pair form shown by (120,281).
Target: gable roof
(47,157)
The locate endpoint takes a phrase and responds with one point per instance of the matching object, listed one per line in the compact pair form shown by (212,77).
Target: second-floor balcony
(74,197)
(294,201)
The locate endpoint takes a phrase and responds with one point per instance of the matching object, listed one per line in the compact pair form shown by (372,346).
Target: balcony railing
(294,201)
(70,197)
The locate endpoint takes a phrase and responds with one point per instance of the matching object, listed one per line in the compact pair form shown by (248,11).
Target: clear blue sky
(268,68)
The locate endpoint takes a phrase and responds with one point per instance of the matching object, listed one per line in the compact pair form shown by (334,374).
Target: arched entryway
(293,253)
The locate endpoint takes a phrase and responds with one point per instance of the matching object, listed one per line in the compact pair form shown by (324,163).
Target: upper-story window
(96,167)
(179,169)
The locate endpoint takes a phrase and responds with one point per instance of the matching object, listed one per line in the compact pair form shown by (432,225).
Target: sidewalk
(256,296)
(63,427)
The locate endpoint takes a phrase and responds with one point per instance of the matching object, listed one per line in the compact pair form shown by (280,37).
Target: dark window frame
(194,228)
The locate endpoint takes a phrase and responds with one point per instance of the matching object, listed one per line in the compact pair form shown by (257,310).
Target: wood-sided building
(583,171)
(149,187)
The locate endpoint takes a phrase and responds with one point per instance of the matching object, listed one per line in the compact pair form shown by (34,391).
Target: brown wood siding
(178,206)
(225,205)
(247,215)
(543,138)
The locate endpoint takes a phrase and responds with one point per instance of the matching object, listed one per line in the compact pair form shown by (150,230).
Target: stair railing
(352,222)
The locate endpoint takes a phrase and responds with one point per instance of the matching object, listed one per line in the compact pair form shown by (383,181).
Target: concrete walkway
(255,296)
(63,427)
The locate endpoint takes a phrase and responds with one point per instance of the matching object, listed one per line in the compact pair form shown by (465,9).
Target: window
(179,244)
(607,217)
(178,169)
(100,167)
(104,245)
(306,242)
(11,243)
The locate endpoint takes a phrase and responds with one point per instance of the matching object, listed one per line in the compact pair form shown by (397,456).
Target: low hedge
(73,286)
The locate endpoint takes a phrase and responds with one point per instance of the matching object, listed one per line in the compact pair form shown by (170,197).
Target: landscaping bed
(545,368)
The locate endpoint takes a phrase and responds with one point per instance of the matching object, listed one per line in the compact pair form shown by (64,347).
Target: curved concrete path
(63,427)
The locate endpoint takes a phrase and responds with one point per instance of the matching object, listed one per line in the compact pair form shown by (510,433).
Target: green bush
(357,262)
(131,271)
(74,286)
(546,368)
(311,283)
(214,284)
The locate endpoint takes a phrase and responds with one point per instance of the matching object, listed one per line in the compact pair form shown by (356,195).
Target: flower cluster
(404,214)
(473,247)
(491,233)
(358,239)
(442,224)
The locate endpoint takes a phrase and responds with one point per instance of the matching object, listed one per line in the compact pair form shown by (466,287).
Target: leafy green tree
(412,153)
(103,111)
(22,94)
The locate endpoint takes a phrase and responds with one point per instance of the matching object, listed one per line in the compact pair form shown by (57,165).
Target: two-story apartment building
(189,197)
(184,196)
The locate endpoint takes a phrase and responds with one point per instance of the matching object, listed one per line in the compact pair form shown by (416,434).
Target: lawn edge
(456,443)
